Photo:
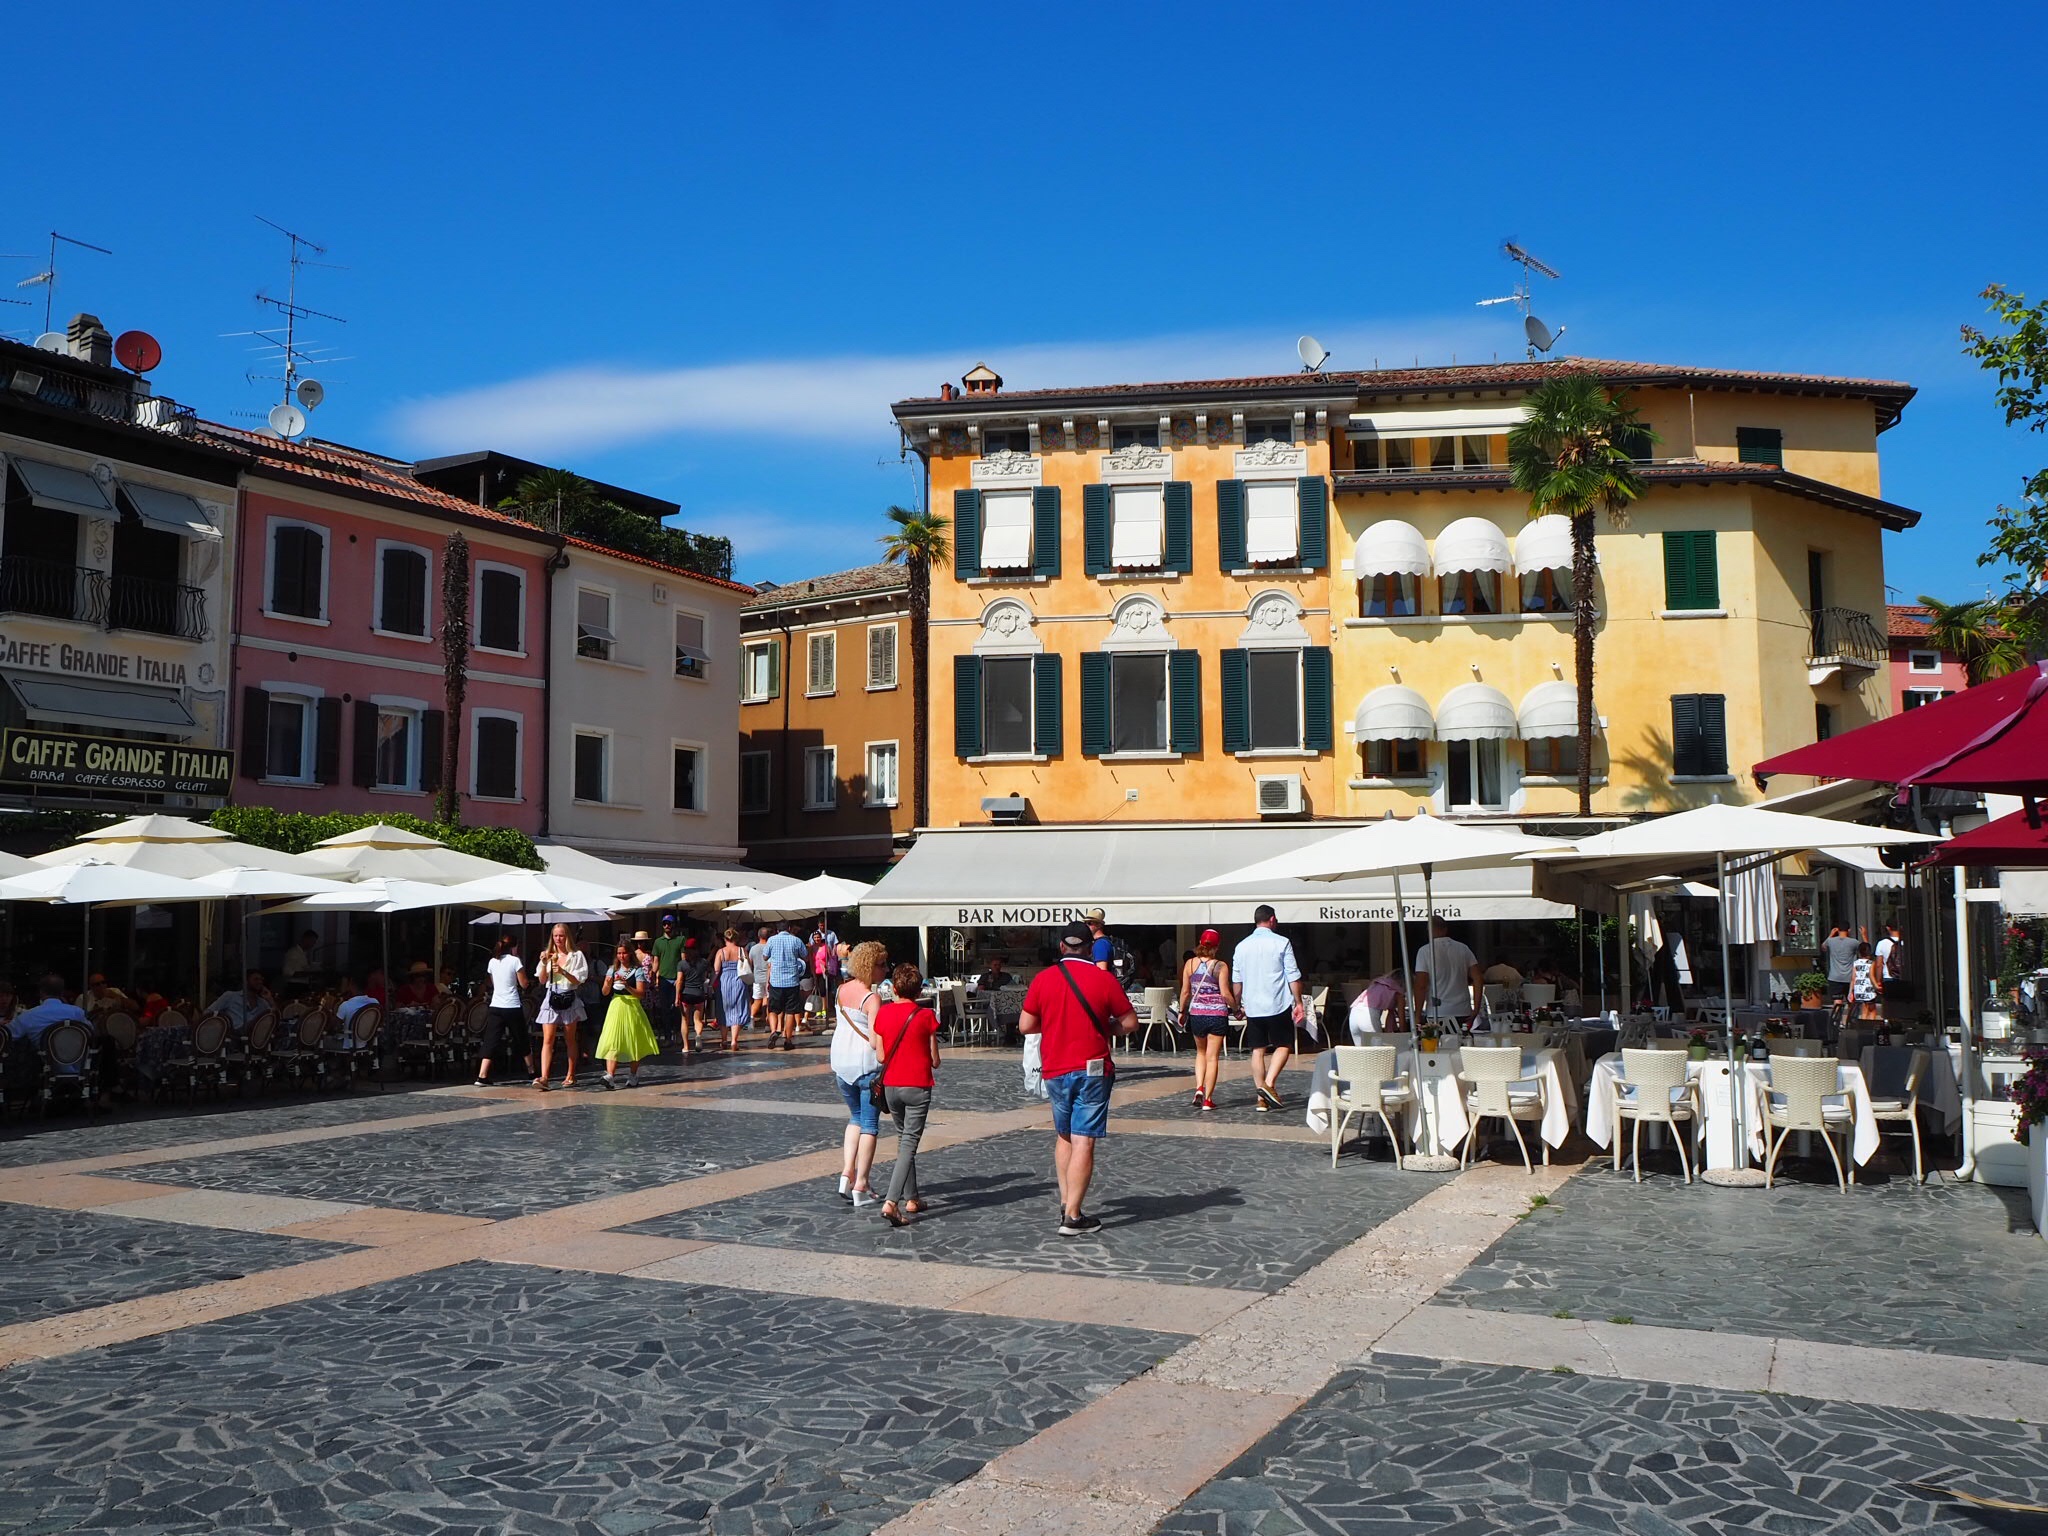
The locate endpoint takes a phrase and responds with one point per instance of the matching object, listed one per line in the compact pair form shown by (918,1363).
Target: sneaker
(1207,1102)
(1261,1105)
(1080,1224)
(1268,1099)
(606,1082)
(1198,1098)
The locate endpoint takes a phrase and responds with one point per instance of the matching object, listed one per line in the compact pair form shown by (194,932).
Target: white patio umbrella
(534,888)
(169,845)
(382,850)
(821,893)
(682,896)
(90,885)
(380,895)
(527,918)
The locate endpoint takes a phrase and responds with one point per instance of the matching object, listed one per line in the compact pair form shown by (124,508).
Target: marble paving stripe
(234,1211)
(80,1191)
(1122,1464)
(1290,1128)
(1843,1373)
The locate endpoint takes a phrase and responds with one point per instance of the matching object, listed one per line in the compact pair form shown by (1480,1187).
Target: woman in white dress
(562,972)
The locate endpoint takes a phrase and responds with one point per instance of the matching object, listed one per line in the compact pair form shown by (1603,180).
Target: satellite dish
(1541,336)
(287,420)
(311,392)
(1313,353)
(137,351)
(53,341)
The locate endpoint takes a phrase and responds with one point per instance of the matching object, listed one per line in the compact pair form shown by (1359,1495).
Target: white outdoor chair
(1367,1081)
(1157,1012)
(1500,1092)
(1800,1085)
(1799,1048)
(1539,994)
(1654,1087)
(1896,1073)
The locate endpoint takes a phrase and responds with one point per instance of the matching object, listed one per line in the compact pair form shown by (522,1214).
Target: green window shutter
(1237,711)
(1692,574)
(967,706)
(1678,570)
(1045,530)
(1706,570)
(966,534)
(1094,704)
(1318,700)
(1047,700)
(1230,524)
(1713,713)
(1180,526)
(1760,445)
(1314,497)
(1184,691)
(1095,529)
(1685,734)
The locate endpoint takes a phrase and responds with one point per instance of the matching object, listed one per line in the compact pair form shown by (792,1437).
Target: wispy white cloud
(597,405)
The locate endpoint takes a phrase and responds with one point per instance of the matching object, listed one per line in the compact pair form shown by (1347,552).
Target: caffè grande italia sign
(74,760)
(77,661)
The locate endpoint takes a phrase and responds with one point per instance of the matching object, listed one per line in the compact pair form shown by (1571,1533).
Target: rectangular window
(1270,429)
(1272,522)
(1137,703)
(1393,759)
(1913,698)
(1390,596)
(1554,757)
(494,758)
(1692,572)
(882,656)
(1400,452)
(1469,592)
(402,591)
(595,640)
(821,778)
(1274,693)
(757,772)
(1132,437)
(1547,591)
(1474,778)
(1476,452)
(881,787)
(1006,706)
(1005,440)
(760,671)
(692,659)
(592,751)
(1760,445)
(688,778)
(500,610)
(1923,661)
(298,571)
(286,755)
(821,651)
(397,748)
(1443,453)
(1138,526)
(1699,735)
(1006,530)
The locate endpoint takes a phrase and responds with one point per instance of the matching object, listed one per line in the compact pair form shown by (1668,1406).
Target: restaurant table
(1712,1076)
(1438,1120)
(1939,1091)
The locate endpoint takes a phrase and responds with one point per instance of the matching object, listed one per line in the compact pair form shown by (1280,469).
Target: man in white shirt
(298,960)
(1446,976)
(1265,984)
(357,1000)
(505,1028)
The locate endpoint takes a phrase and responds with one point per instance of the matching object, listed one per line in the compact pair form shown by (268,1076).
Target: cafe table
(1438,1120)
(1713,1078)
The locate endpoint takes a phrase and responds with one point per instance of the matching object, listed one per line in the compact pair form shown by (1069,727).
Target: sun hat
(642,934)
(1092,915)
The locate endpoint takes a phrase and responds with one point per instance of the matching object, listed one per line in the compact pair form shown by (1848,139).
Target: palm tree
(919,541)
(1976,635)
(1574,455)
(559,500)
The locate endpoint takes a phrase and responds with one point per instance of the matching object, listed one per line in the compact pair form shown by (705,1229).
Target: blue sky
(698,251)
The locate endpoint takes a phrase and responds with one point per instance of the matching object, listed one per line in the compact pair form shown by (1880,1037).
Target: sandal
(894,1217)
(913,1207)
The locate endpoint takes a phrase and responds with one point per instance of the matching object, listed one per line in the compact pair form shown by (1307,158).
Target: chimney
(91,341)
(982,380)
(946,390)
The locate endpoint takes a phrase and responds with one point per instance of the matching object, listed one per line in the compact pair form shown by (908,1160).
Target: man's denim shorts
(1080,1103)
(860,1109)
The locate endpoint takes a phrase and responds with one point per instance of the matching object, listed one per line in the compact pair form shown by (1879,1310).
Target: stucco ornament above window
(1272,458)
(1136,464)
(1273,623)
(1006,467)
(1007,626)
(1138,623)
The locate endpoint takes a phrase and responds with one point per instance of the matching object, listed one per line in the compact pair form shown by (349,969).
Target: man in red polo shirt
(1076,1008)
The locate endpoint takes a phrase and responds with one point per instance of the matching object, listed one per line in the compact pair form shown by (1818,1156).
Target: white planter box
(2037,1177)
(2000,1159)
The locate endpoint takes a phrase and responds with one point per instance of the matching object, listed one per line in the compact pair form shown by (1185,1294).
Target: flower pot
(1428,1047)
(1696,1053)
(1809,1000)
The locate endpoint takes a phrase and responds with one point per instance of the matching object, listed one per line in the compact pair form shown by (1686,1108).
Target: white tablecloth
(1939,1090)
(1437,1118)
(1712,1077)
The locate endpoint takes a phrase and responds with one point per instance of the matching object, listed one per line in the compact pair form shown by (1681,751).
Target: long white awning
(1043,877)
(1437,422)
(72,701)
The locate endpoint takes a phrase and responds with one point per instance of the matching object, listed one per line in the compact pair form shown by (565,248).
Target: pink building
(340,701)
(1921,671)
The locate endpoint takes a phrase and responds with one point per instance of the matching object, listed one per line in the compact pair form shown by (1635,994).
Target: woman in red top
(909,1041)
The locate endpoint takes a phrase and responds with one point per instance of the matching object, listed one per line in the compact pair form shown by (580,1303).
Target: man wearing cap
(1077,1010)
(1265,982)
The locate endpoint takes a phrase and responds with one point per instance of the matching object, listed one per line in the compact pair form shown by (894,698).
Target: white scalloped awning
(1475,712)
(1391,547)
(1435,421)
(1550,710)
(1544,544)
(1472,544)
(1393,713)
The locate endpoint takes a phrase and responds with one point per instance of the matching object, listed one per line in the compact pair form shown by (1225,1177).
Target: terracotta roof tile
(854,583)
(1905,621)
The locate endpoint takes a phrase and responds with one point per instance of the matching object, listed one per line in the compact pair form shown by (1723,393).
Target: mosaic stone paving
(1173,1210)
(1405,1446)
(513,1164)
(966,1083)
(61,1261)
(1951,1268)
(45,1141)
(490,1399)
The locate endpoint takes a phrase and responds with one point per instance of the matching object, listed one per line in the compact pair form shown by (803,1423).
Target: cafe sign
(71,760)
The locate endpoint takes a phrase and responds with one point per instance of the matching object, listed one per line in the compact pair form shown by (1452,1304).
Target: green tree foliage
(562,501)
(918,540)
(1976,635)
(2018,355)
(296,831)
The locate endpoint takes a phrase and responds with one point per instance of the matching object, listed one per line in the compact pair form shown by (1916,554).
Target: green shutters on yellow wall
(967,706)
(1094,704)
(1184,700)
(1230,524)
(1318,700)
(1045,530)
(1046,703)
(1095,529)
(966,534)
(1692,574)
(1760,445)
(1237,711)
(1180,526)
(1314,501)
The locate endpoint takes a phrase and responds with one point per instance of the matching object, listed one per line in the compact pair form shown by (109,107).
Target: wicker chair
(1654,1086)
(207,1061)
(250,1059)
(119,1034)
(1807,1049)
(1500,1092)
(1367,1081)
(359,1046)
(68,1058)
(1799,1087)
(299,1056)
(1896,1074)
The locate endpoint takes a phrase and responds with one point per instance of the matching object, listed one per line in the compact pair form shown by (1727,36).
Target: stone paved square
(510,1165)
(43,1141)
(1244,1214)
(966,1083)
(491,1398)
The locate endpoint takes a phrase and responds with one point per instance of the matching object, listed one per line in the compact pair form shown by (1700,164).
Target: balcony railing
(52,590)
(1844,637)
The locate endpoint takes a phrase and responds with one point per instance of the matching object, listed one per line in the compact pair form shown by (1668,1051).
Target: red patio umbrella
(1993,737)
(2011,842)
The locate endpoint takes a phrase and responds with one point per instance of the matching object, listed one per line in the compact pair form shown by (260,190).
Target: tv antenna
(47,278)
(282,341)
(1313,354)
(1541,337)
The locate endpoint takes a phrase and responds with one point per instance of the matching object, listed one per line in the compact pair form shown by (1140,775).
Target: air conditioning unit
(1007,810)
(1279,794)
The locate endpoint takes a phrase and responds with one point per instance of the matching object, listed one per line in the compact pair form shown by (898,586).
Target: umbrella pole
(85,948)
(1741,1175)
(1414,1009)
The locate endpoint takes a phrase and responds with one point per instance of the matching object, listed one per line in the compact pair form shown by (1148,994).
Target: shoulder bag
(877,1094)
(1108,1043)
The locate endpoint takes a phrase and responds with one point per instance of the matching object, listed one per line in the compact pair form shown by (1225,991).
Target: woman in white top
(562,970)
(857,1065)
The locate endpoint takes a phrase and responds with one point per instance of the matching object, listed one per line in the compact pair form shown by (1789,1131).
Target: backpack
(1123,965)
(1895,960)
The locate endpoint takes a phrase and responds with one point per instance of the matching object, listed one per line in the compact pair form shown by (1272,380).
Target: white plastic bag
(1034,1077)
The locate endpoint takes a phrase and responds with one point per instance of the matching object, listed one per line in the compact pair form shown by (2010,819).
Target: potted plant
(1426,1036)
(1699,1047)
(1812,987)
(2029,1094)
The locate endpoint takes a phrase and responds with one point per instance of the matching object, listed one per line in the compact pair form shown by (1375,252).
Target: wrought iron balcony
(1841,638)
(48,589)
(53,590)
(157,607)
